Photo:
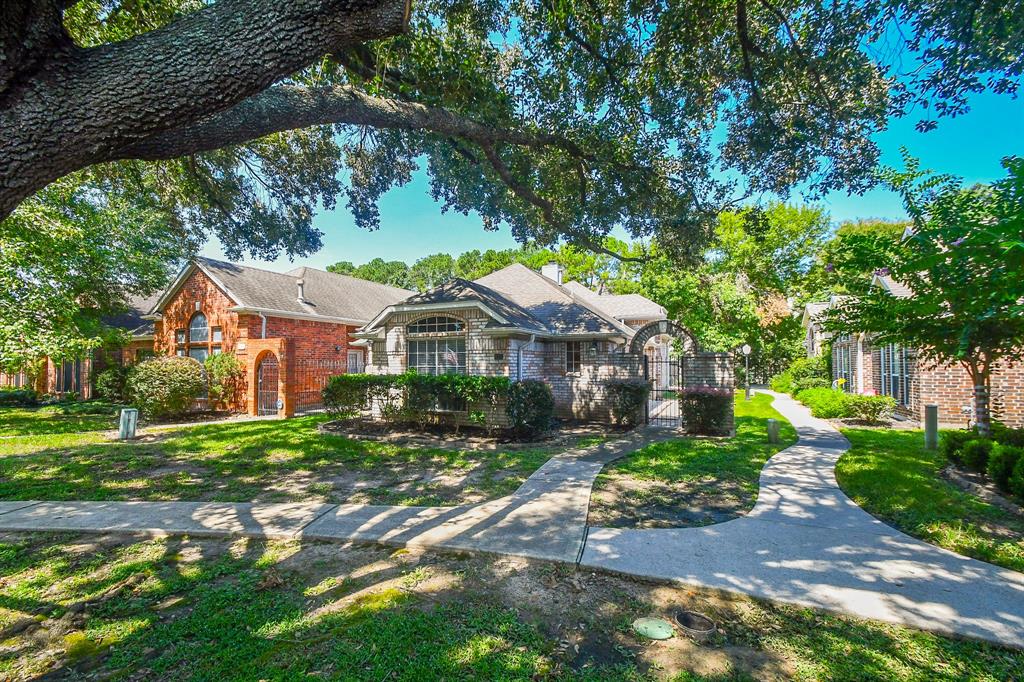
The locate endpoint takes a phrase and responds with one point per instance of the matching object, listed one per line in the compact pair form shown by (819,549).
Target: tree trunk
(76,106)
(981,380)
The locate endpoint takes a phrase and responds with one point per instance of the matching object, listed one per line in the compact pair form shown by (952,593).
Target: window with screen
(894,373)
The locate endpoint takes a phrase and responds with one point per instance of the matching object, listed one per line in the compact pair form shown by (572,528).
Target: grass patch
(274,461)
(891,475)
(667,484)
(57,419)
(214,609)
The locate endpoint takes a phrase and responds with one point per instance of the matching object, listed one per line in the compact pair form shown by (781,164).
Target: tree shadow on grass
(214,609)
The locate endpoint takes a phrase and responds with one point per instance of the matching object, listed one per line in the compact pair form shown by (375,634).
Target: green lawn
(57,419)
(720,475)
(208,609)
(278,460)
(891,475)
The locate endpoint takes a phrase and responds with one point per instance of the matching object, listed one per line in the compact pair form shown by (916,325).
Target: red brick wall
(316,349)
(950,388)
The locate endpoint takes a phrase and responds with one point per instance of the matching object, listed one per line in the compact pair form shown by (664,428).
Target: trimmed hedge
(224,375)
(628,397)
(705,410)
(1016,483)
(974,454)
(870,408)
(531,407)
(417,397)
(1001,462)
(166,386)
(952,442)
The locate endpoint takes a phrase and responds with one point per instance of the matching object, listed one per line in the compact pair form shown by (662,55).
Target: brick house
(889,369)
(290,331)
(73,376)
(519,323)
(815,338)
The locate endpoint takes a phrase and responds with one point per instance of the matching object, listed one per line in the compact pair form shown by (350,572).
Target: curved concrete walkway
(807,543)
(804,542)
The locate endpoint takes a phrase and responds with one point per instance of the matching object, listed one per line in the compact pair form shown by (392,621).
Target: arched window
(198,331)
(437,345)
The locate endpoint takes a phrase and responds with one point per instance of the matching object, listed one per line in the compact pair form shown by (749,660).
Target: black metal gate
(667,380)
(267,383)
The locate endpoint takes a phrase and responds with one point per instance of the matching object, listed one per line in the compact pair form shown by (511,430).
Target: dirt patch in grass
(181,608)
(627,502)
(465,437)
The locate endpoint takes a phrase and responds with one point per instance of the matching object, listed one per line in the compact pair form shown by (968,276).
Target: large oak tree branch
(83,105)
(287,107)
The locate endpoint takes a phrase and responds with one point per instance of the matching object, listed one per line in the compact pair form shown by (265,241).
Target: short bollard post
(931,427)
(129,418)
(773,430)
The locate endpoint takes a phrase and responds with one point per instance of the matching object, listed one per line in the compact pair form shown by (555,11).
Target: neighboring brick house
(815,337)
(290,331)
(889,369)
(73,376)
(525,325)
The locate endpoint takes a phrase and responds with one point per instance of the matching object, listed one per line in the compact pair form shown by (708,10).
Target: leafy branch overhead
(561,118)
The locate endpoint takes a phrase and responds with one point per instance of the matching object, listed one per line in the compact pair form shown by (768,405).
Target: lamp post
(746,374)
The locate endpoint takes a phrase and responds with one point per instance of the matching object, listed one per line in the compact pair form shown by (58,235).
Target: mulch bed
(465,438)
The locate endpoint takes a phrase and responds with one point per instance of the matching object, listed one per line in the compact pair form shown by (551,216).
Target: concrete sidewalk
(806,543)
(544,519)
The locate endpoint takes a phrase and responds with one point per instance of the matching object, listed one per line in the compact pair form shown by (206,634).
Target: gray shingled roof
(325,294)
(547,302)
(458,290)
(619,306)
(131,319)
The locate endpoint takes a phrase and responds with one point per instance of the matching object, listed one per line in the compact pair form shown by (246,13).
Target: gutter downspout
(519,357)
(263,331)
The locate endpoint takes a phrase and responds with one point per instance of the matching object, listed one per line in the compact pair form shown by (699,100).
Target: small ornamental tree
(224,374)
(962,264)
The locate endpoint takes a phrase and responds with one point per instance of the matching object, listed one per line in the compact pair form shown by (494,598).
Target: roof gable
(325,294)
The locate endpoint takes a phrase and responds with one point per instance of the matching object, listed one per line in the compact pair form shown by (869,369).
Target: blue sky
(412,224)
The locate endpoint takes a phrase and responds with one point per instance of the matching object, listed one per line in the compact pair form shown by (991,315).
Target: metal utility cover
(653,628)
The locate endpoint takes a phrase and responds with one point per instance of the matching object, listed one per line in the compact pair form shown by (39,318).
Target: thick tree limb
(83,105)
(287,107)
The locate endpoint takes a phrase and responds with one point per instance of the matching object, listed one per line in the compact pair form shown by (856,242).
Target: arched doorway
(267,383)
(663,347)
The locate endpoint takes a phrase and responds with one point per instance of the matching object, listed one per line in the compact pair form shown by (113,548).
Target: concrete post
(931,427)
(129,419)
(773,430)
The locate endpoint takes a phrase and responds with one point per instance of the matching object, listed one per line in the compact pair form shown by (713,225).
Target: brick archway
(278,349)
(652,329)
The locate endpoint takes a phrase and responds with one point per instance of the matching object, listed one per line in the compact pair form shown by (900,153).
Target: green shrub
(1007,436)
(802,374)
(804,383)
(18,397)
(974,453)
(346,394)
(112,382)
(628,397)
(870,408)
(952,442)
(826,403)
(1001,462)
(1016,483)
(706,410)
(166,386)
(224,377)
(531,407)
(782,382)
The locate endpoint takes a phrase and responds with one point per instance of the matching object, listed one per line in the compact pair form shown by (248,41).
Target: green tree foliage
(431,271)
(165,386)
(71,257)
(963,269)
(833,271)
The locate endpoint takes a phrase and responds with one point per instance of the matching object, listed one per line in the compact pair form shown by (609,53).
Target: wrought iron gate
(667,380)
(267,384)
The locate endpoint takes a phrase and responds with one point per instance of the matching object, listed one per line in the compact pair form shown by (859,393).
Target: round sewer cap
(653,628)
